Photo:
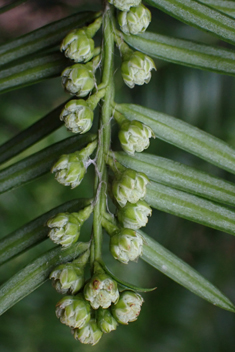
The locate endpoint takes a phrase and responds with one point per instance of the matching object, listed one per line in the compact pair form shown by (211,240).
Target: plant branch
(104,131)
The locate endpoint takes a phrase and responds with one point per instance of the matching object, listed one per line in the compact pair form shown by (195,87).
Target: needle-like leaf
(190,207)
(31,71)
(196,14)
(184,52)
(36,273)
(31,135)
(39,163)
(43,38)
(173,267)
(183,135)
(180,176)
(35,231)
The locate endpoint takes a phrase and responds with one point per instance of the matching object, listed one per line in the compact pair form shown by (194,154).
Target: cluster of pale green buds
(65,228)
(79,79)
(98,307)
(134,18)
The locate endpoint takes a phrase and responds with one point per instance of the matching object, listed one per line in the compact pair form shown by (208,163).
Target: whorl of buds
(106,321)
(73,311)
(136,69)
(77,116)
(79,79)
(78,45)
(125,245)
(128,307)
(101,290)
(134,21)
(70,277)
(89,334)
(134,216)
(129,187)
(134,136)
(124,5)
(65,227)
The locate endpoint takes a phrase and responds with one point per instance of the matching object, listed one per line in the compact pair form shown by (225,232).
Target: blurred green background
(172,319)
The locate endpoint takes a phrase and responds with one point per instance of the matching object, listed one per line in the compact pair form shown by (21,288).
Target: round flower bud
(78,79)
(106,321)
(125,245)
(134,136)
(134,216)
(77,116)
(134,21)
(65,229)
(124,5)
(89,334)
(74,311)
(69,170)
(68,278)
(136,69)
(130,187)
(101,291)
(78,46)
(128,307)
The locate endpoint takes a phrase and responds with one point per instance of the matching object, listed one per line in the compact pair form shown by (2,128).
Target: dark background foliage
(172,319)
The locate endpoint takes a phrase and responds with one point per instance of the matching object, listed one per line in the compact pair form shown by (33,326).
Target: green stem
(124,49)
(116,167)
(109,226)
(104,132)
